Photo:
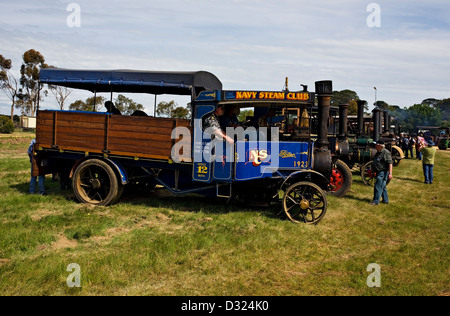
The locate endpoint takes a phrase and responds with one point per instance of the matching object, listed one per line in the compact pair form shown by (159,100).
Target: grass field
(164,245)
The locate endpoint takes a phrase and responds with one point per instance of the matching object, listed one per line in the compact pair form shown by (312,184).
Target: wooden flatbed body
(106,134)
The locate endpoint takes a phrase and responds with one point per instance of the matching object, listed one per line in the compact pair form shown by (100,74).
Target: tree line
(25,92)
(430,112)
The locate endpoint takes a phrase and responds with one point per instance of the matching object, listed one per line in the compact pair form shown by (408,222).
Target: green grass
(165,245)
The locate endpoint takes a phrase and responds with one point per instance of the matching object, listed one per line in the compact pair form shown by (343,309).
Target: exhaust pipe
(324,90)
(376,124)
(343,121)
(322,153)
(361,105)
(387,122)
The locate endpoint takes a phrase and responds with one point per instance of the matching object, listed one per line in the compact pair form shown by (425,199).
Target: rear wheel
(305,202)
(341,179)
(95,182)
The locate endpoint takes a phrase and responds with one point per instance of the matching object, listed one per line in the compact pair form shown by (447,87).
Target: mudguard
(117,166)
(321,180)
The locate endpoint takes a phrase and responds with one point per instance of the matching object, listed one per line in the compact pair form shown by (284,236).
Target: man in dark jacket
(37,172)
(382,166)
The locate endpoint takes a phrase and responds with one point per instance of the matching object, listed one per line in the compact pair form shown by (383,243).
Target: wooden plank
(83,145)
(140,151)
(131,154)
(55,130)
(81,117)
(45,115)
(140,121)
(139,144)
(75,131)
(88,138)
(44,122)
(141,129)
(44,139)
(106,136)
(144,121)
(81,125)
(140,136)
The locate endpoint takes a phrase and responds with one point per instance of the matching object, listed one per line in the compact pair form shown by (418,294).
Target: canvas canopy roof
(134,81)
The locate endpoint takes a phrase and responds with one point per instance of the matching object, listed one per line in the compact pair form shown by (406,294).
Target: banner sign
(268,96)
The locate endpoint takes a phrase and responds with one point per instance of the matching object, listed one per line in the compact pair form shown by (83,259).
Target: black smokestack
(387,122)
(376,124)
(322,154)
(361,105)
(343,120)
(324,90)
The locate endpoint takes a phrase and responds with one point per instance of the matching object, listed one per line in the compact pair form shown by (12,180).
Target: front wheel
(305,202)
(367,174)
(95,182)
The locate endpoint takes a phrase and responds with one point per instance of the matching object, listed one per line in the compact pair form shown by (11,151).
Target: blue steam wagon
(268,157)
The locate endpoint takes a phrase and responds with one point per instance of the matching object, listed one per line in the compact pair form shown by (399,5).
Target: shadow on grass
(162,198)
(409,179)
(194,203)
(365,200)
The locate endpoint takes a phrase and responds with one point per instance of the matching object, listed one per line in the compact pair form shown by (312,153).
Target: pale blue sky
(247,44)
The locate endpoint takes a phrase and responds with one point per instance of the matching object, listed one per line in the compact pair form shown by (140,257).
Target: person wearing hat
(382,166)
(428,153)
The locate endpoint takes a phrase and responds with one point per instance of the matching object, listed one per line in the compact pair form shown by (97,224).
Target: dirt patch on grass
(8,139)
(40,214)
(63,242)
(110,234)
(160,221)
(4,261)
(14,154)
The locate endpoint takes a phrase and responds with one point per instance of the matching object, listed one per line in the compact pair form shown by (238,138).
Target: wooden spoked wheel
(367,174)
(95,182)
(305,202)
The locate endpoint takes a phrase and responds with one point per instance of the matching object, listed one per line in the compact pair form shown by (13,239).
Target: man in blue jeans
(429,153)
(382,165)
(35,171)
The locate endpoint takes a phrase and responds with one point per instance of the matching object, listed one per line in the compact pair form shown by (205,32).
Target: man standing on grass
(36,170)
(428,161)
(382,166)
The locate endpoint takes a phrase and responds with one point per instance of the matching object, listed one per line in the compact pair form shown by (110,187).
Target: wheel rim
(305,203)
(337,180)
(94,184)
(367,175)
(397,155)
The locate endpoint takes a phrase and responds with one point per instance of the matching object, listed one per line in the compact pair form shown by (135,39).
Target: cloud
(251,44)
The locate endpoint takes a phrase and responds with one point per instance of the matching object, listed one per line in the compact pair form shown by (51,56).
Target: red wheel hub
(337,180)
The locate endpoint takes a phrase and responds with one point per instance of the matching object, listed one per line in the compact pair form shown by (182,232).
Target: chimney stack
(343,120)
(361,105)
